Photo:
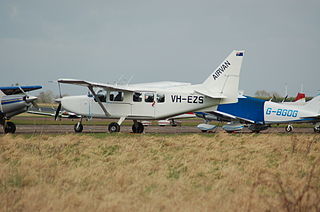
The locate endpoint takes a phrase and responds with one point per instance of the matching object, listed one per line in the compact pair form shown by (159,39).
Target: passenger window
(137,97)
(116,96)
(102,95)
(160,97)
(149,97)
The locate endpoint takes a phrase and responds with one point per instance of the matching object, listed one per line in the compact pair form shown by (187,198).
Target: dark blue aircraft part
(246,108)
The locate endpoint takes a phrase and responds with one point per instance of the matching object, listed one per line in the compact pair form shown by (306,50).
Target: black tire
(289,128)
(10,127)
(316,129)
(78,127)
(138,128)
(114,127)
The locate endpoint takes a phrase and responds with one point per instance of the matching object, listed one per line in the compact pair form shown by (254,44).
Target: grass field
(125,172)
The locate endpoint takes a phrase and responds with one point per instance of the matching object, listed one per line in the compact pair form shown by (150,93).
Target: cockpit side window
(137,97)
(116,96)
(102,95)
(160,97)
(149,97)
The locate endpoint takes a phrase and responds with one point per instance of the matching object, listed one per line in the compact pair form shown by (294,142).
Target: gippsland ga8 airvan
(154,101)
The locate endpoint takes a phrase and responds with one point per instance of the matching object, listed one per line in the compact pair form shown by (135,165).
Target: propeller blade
(35,105)
(57,112)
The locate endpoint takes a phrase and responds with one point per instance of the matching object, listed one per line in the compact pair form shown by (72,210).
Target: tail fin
(313,105)
(301,97)
(224,81)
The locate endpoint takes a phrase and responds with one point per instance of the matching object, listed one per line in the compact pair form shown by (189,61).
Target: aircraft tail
(301,97)
(313,105)
(224,81)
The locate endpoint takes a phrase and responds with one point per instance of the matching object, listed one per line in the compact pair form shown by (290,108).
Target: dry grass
(218,172)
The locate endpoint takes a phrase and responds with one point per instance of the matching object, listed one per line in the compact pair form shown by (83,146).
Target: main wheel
(137,128)
(9,127)
(289,128)
(316,129)
(78,127)
(114,127)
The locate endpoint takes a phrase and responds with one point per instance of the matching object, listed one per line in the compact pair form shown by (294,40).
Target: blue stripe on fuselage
(10,102)
(246,108)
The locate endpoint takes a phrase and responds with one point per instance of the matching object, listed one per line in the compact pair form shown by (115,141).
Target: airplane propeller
(58,100)
(29,99)
(57,111)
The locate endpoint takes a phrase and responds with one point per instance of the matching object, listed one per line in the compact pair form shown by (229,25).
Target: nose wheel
(78,127)
(9,127)
(114,127)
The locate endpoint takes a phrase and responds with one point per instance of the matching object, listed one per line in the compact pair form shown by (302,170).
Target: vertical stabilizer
(224,81)
(313,105)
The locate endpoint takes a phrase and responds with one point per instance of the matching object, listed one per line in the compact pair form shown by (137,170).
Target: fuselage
(140,105)
(13,105)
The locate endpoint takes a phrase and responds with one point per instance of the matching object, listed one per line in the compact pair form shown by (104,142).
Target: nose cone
(30,99)
(75,104)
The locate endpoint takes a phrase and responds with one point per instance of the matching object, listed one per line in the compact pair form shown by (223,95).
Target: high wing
(153,86)
(94,84)
(12,90)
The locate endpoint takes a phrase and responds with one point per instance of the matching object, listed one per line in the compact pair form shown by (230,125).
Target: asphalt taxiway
(63,129)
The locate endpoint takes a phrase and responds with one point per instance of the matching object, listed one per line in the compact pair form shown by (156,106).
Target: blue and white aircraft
(14,101)
(260,114)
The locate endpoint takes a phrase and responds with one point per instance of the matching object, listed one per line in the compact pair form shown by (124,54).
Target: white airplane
(154,101)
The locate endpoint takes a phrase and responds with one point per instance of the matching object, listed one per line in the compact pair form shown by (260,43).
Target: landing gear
(289,128)
(9,127)
(137,127)
(173,123)
(78,127)
(114,127)
(316,128)
(256,128)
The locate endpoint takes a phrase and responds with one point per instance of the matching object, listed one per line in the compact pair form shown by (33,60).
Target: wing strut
(98,100)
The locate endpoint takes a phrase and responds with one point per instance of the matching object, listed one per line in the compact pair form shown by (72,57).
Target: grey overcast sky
(176,40)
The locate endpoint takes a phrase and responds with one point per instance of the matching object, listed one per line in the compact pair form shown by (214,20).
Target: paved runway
(62,129)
